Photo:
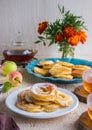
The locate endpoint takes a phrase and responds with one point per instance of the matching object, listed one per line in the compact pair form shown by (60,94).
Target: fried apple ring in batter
(29,107)
(64,76)
(63,99)
(29,98)
(45,62)
(67,64)
(43,91)
(41,71)
(21,95)
(58,69)
(51,107)
(81,67)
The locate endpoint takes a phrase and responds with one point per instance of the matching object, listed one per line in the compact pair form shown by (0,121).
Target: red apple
(8,67)
(15,78)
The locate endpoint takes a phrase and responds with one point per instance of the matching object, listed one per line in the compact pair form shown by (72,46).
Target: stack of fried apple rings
(43,97)
(60,69)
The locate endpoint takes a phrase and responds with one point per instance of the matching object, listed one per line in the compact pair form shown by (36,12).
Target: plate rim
(42,115)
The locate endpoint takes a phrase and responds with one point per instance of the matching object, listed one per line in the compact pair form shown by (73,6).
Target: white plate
(12,98)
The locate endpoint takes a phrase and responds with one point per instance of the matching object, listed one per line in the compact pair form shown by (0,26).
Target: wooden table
(66,122)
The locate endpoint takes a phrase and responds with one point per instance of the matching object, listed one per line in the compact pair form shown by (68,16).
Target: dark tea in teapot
(19,55)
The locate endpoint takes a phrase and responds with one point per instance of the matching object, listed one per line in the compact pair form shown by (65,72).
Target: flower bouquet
(67,32)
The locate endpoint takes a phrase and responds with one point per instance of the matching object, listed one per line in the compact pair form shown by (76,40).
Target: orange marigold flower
(82,36)
(74,40)
(59,37)
(69,31)
(42,26)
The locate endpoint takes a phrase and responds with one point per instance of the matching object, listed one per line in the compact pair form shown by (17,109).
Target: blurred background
(24,16)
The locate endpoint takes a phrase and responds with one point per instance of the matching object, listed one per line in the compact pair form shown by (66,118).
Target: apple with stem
(15,78)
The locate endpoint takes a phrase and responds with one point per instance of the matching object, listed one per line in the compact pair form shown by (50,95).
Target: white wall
(24,16)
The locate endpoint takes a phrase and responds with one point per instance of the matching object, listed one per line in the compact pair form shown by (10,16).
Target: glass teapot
(18,52)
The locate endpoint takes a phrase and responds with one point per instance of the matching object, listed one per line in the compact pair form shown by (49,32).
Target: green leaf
(52,42)
(41,37)
(44,43)
(37,42)
(6,86)
(62,10)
